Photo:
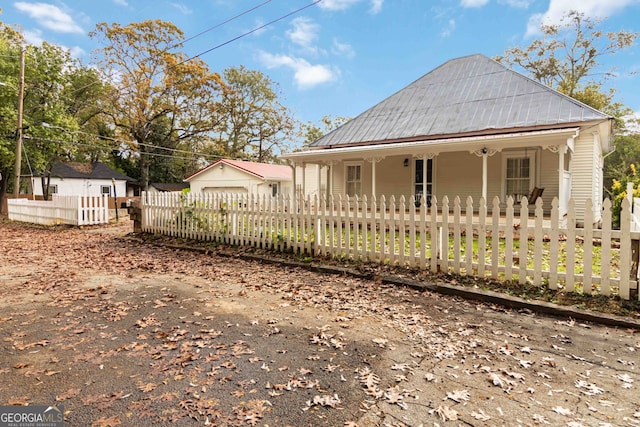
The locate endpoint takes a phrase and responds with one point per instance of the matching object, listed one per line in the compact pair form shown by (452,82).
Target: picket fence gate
(72,210)
(439,236)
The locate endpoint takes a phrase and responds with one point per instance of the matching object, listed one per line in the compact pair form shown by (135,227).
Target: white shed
(84,179)
(242,177)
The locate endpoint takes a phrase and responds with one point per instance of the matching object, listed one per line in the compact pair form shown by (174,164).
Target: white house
(84,179)
(242,177)
(471,127)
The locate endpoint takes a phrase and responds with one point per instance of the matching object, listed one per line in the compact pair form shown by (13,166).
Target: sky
(334,57)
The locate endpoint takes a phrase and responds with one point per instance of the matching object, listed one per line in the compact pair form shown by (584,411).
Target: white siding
(228,179)
(81,186)
(582,171)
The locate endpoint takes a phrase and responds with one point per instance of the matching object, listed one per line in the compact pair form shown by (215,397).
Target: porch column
(330,178)
(564,193)
(373,161)
(319,180)
(304,179)
(484,153)
(295,185)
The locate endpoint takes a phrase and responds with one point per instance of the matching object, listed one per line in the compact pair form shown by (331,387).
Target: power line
(248,32)
(233,18)
(84,144)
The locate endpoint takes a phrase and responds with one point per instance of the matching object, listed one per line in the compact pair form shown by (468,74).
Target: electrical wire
(247,33)
(195,155)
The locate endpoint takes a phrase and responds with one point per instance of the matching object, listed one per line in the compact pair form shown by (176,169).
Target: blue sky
(337,57)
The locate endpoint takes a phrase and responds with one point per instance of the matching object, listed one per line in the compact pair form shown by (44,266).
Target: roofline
(486,132)
(264,178)
(470,142)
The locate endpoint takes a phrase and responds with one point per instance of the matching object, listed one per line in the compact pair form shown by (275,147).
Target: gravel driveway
(124,333)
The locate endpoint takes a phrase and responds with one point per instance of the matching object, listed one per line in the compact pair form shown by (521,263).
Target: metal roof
(469,95)
(95,170)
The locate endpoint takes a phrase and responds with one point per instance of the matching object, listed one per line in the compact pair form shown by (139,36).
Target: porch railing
(464,238)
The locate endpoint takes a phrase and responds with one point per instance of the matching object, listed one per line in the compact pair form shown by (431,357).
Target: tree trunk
(144,171)
(3,189)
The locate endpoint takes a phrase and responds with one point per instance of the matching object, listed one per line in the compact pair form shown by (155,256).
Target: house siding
(582,170)
(81,186)
(230,180)
(548,178)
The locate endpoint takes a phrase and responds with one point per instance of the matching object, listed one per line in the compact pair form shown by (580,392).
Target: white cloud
(121,2)
(521,4)
(182,8)
(49,16)
(376,5)
(33,37)
(77,52)
(559,8)
(450,28)
(304,32)
(337,4)
(473,3)
(342,49)
(306,75)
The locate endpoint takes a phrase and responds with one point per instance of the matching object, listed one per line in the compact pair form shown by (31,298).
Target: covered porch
(487,166)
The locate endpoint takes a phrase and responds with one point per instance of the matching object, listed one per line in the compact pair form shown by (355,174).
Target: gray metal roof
(472,94)
(95,170)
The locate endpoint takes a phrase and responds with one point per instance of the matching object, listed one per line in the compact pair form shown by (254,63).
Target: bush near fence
(449,236)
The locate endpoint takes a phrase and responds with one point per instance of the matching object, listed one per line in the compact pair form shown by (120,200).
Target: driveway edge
(445,289)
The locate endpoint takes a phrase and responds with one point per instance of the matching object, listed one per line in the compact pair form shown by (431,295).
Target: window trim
(346,177)
(102,188)
(531,154)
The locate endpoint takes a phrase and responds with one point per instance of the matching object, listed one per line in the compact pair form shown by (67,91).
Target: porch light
(406,163)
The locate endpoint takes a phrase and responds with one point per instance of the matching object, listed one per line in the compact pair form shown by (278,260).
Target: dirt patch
(122,332)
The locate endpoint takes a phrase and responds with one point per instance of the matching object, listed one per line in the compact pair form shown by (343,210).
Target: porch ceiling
(499,142)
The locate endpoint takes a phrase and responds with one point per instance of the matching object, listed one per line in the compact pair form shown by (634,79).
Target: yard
(123,332)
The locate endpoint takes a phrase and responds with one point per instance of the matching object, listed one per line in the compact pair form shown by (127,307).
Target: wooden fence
(450,236)
(72,210)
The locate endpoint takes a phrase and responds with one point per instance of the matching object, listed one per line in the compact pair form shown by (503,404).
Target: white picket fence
(451,237)
(72,210)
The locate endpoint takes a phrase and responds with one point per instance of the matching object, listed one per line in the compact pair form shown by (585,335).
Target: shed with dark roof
(471,127)
(86,179)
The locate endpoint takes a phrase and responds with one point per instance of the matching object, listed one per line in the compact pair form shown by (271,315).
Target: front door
(419,181)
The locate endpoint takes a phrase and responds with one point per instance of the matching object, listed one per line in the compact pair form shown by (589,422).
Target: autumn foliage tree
(254,124)
(161,99)
(568,57)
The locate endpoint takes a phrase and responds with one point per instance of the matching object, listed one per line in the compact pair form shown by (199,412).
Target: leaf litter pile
(121,332)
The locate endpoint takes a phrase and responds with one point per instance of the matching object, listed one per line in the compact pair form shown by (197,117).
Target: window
(518,174)
(418,181)
(353,180)
(105,189)
(53,189)
(275,188)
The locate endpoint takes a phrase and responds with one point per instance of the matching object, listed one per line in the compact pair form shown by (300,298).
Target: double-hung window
(518,173)
(353,179)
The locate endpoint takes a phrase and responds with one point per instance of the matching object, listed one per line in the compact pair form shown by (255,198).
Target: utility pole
(16,189)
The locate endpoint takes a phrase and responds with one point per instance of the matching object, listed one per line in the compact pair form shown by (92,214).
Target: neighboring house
(242,177)
(160,187)
(470,127)
(85,179)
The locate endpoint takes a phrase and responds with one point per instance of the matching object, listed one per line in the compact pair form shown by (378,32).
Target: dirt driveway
(123,333)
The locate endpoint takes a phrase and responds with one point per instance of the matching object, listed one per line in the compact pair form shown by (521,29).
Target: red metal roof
(264,171)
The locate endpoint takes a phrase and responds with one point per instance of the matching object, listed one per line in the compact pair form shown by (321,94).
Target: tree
(569,53)
(310,132)
(256,125)
(11,42)
(160,96)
